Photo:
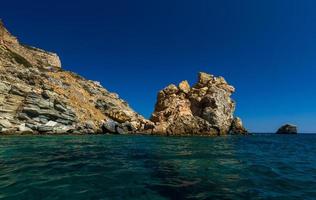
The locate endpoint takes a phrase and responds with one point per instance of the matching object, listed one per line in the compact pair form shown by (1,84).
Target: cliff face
(205,109)
(37,96)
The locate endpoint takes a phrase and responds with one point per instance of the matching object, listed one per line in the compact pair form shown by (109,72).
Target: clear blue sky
(266,49)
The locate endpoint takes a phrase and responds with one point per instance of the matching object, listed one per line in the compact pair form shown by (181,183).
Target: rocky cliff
(204,109)
(38,96)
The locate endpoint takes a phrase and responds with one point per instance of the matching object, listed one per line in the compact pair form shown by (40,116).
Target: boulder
(4,123)
(90,125)
(109,126)
(120,131)
(287,129)
(23,129)
(45,129)
(64,129)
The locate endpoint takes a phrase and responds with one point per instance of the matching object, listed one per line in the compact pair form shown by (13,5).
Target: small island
(287,129)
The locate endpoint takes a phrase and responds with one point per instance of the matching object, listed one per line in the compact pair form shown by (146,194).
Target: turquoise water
(144,167)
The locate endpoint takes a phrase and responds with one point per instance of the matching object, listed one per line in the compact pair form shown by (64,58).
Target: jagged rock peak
(205,109)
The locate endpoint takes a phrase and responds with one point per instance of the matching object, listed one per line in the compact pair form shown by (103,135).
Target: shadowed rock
(287,129)
(237,127)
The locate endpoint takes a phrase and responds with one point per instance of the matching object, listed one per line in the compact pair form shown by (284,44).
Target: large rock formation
(37,96)
(205,109)
(287,129)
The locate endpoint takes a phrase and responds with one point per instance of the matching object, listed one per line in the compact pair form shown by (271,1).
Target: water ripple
(139,167)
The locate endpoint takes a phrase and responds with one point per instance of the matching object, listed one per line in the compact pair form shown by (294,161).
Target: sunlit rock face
(204,109)
(38,96)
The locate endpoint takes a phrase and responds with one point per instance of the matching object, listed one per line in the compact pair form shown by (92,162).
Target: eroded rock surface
(204,109)
(38,96)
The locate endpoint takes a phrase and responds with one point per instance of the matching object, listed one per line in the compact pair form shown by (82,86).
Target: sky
(265,49)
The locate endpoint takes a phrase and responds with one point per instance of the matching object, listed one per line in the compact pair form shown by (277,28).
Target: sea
(258,166)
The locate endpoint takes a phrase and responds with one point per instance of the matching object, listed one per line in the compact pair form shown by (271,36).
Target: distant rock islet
(287,129)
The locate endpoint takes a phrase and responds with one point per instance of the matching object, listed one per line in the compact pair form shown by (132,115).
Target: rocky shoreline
(38,97)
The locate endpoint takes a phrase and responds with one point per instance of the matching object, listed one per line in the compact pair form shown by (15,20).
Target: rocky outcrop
(38,96)
(205,109)
(287,129)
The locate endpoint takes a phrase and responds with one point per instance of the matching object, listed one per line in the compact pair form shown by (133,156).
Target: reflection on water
(171,166)
(139,167)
